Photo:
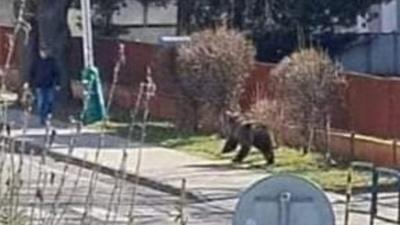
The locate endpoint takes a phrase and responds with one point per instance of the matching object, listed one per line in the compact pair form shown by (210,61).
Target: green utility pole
(94,105)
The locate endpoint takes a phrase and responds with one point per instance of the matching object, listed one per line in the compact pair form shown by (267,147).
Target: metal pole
(374,196)
(352,147)
(87,34)
(348,196)
(398,200)
(386,172)
(394,148)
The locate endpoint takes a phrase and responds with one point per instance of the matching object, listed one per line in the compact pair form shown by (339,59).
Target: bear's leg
(243,152)
(264,145)
(230,145)
(267,152)
(269,156)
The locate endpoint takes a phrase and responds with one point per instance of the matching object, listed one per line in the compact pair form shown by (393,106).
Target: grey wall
(133,14)
(131,17)
(374,53)
(6,12)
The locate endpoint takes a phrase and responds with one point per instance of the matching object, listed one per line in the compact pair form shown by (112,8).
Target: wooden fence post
(352,147)
(394,148)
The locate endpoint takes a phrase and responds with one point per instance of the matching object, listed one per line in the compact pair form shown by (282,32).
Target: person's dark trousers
(44,102)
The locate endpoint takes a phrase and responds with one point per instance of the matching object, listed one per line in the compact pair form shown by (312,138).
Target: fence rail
(376,176)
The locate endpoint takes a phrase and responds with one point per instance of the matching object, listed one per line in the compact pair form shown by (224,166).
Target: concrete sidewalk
(208,182)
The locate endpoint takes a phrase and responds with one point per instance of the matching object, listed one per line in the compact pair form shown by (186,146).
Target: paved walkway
(211,182)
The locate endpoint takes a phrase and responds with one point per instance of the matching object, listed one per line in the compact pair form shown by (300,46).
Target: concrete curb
(27,147)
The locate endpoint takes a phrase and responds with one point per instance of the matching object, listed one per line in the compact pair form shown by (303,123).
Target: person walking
(44,80)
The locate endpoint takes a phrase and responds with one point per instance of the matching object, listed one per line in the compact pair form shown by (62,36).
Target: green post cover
(94,107)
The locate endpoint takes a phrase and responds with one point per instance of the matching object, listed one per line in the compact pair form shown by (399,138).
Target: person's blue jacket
(44,73)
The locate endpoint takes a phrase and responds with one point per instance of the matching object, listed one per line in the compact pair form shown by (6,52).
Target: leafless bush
(307,86)
(267,112)
(213,68)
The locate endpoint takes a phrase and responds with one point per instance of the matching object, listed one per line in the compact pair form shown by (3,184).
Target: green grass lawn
(311,166)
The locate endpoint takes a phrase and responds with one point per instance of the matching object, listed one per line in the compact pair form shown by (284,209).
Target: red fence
(13,78)
(139,56)
(4,31)
(372,104)
(3,45)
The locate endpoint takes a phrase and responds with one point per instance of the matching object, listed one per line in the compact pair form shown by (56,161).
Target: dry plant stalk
(148,91)
(120,175)
(93,178)
(71,147)
(182,217)
(117,69)
(74,189)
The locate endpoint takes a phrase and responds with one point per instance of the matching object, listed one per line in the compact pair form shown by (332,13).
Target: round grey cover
(284,200)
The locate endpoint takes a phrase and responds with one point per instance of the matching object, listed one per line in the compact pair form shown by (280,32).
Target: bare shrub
(267,112)
(212,69)
(307,86)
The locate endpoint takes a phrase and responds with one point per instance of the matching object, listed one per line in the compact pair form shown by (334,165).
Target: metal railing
(376,174)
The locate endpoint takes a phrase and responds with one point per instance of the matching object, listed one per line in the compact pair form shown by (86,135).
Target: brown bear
(246,133)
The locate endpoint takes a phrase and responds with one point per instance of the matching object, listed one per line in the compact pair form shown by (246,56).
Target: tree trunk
(185,123)
(181,17)
(29,52)
(185,8)
(53,34)
(108,26)
(231,18)
(239,9)
(145,14)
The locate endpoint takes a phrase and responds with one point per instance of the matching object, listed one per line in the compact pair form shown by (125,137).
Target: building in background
(376,49)
(387,19)
(6,13)
(135,26)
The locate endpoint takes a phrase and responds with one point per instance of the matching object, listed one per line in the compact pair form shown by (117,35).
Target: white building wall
(133,14)
(375,26)
(388,19)
(6,12)
(362,25)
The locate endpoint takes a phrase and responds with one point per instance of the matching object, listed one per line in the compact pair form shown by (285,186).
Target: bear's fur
(247,133)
